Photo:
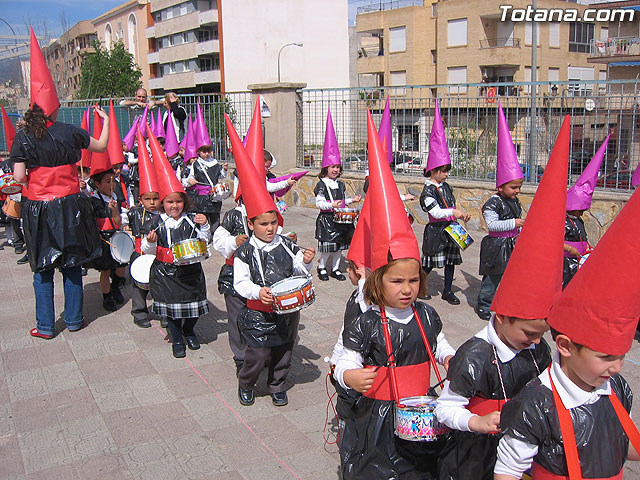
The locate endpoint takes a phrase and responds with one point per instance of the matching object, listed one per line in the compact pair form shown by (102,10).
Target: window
(580,73)
(434,9)
(107,36)
(434,56)
(528,33)
(206,64)
(408,137)
(580,35)
(457,32)
(131,33)
(398,39)
(398,78)
(554,74)
(527,78)
(604,33)
(602,88)
(457,75)
(554,34)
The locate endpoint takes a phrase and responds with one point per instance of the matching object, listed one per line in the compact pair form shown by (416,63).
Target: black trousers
(139,309)
(236,342)
(279,359)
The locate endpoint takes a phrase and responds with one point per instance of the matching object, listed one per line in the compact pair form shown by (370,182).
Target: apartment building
(453,41)
(64,56)
(127,23)
(184,47)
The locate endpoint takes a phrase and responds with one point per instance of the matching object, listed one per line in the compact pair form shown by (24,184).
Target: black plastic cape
(235,225)
(574,231)
(435,239)
(59,233)
(170,283)
(140,221)
(204,203)
(495,252)
(472,372)
(377,452)
(264,329)
(602,444)
(105,261)
(326,229)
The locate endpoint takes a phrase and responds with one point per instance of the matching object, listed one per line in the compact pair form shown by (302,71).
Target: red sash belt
(540,473)
(138,244)
(105,224)
(49,183)
(484,406)
(413,380)
(229,261)
(258,305)
(164,254)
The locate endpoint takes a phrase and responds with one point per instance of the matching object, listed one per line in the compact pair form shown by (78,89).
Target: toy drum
(292,294)
(347,216)
(11,208)
(416,421)
(192,250)
(409,215)
(219,192)
(121,246)
(459,235)
(141,269)
(8,185)
(281,206)
(583,258)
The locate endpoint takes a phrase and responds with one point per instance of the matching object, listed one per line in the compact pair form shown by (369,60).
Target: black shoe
(179,350)
(108,303)
(85,272)
(323,275)
(142,323)
(450,298)
(239,364)
(246,397)
(164,322)
(23,260)
(20,249)
(5,244)
(483,314)
(117,294)
(337,274)
(279,399)
(192,342)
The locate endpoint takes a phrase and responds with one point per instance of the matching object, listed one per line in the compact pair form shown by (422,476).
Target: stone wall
(470,196)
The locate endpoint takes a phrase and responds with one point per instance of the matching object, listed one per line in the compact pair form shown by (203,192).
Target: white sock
(336,257)
(323,260)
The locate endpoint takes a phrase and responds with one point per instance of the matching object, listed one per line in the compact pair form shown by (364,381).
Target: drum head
(417,401)
(289,285)
(122,247)
(141,268)
(11,189)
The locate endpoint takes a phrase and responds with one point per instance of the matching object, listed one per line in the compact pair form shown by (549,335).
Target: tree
(109,73)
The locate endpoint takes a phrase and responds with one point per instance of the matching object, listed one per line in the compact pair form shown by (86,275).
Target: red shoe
(35,333)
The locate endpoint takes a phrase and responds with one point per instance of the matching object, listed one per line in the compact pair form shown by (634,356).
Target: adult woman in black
(58,220)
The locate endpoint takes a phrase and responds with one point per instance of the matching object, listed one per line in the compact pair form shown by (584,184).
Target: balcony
(183,23)
(208,17)
(614,50)
(382,6)
(153,57)
(210,76)
(499,42)
(175,81)
(210,46)
(156,83)
(176,53)
(150,32)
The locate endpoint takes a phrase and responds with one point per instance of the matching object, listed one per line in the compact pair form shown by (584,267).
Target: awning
(625,64)
(633,7)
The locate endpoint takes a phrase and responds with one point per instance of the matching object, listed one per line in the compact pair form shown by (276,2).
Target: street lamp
(283,47)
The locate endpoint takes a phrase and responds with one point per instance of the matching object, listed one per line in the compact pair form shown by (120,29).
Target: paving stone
(131,426)
(150,390)
(63,376)
(87,437)
(11,465)
(21,359)
(26,384)
(42,449)
(112,396)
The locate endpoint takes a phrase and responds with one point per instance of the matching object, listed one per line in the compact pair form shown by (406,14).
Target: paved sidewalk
(110,401)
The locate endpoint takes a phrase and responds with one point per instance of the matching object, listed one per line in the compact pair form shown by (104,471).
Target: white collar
(207,163)
(400,315)
(104,198)
(571,395)
(432,182)
(144,210)
(504,351)
(171,222)
(330,182)
(260,245)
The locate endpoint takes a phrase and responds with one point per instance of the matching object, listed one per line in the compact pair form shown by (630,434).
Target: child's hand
(152,237)
(113,206)
(360,379)
(357,198)
(519,223)
(291,181)
(200,219)
(487,424)
(309,254)
(461,215)
(361,272)
(83,184)
(408,197)
(446,362)
(265,296)
(240,239)
(336,204)
(293,236)
(225,166)
(573,251)
(192,181)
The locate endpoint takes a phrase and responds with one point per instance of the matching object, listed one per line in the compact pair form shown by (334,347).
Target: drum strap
(123,187)
(204,169)
(185,218)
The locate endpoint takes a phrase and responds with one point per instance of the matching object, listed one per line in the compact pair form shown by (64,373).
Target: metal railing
(471,125)
(381,6)
(500,42)
(614,47)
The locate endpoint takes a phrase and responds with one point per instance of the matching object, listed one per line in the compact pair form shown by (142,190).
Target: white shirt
(271,186)
(326,204)
(350,360)
(451,407)
(203,231)
(494,224)
(223,241)
(516,456)
(339,346)
(204,164)
(436,211)
(242,282)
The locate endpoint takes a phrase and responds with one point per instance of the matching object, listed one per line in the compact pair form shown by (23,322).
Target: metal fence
(237,105)
(469,111)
